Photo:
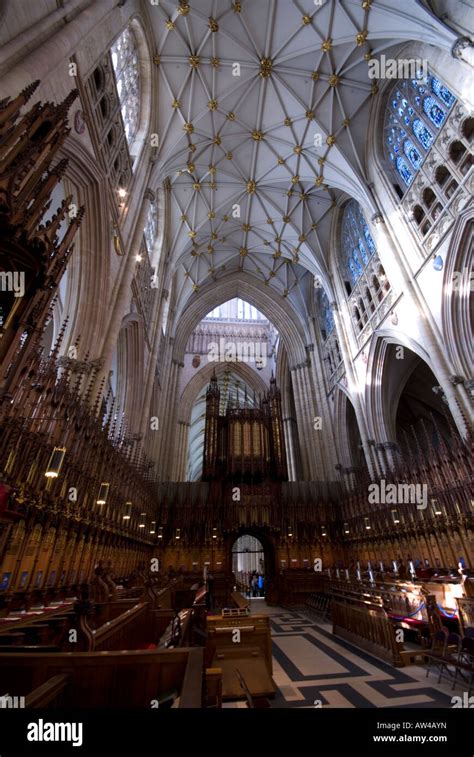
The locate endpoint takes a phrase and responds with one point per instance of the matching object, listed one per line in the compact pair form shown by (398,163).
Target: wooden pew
(369,628)
(111,680)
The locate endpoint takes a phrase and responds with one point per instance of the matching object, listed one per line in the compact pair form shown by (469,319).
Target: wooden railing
(293,588)
(48,694)
(131,680)
(370,629)
(124,632)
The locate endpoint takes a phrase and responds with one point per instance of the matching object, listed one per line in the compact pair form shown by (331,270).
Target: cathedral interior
(236,266)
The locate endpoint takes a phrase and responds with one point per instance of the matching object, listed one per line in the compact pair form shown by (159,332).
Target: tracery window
(357,243)
(418,108)
(331,351)
(364,277)
(326,317)
(126,67)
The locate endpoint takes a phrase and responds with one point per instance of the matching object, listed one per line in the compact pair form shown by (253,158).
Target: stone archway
(266,539)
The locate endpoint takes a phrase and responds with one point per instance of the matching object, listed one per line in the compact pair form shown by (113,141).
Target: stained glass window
(435,113)
(357,243)
(412,153)
(326,314)
(422,133)
(418,108)
(442,92)
(126,67)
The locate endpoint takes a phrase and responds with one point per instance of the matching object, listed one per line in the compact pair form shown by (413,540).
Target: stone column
(122,291)
(38,61)
(301,417)
(456,396)
(353,387)
(290,448)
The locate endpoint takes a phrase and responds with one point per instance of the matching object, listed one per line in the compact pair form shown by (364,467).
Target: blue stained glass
(326,313)
(442,92)
(422,133)
(435,113)
(363,252)
(352,271)
(404,171)
(417,109)
(357,244)
(412,154)
(357,264)
(368,238)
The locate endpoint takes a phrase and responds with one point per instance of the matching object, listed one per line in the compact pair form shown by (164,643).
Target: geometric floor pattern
(314,668)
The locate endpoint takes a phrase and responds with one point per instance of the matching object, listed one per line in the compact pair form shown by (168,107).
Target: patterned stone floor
(310,665)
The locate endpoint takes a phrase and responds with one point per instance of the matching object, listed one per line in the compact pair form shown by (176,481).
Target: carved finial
(29,89)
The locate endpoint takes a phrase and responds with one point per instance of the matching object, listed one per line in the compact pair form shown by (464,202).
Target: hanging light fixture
(160,532)
(214,533)
(346,528)
(395,516)
(55,462)
(177,533)
(142,520)
(153,525)
(103,493)
(128,511)
(323,531)
(290,531)
(367,524)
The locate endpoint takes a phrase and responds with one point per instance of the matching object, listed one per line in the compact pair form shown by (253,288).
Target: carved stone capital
(461,44)
(377,218)
(149,195)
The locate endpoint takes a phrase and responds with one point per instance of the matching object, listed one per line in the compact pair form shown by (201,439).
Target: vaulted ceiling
(263,114)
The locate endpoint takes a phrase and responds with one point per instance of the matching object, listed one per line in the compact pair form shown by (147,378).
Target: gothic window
(417,111)
(326,317)
(126,67)
(357,243)
(412,154)
(422,133)
(442,92)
